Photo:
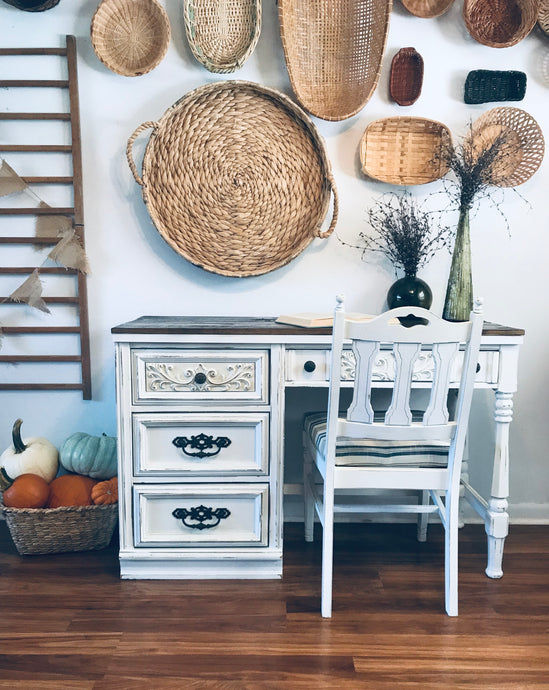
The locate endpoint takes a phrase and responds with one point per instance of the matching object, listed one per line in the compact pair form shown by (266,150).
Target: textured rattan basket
(426,9)
(406,76)
(236,178)
(543,16)
(32,5)
(500,23)
(524,146)
(222,34)
(405,150)
(130,37)
(58,530)
(485,86)
(333,51)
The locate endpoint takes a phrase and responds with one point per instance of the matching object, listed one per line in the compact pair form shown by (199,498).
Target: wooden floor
(67,621)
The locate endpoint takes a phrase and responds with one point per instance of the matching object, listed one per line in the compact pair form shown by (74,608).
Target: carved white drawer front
(310,367)
(201,515)
(184,443)
(179,374)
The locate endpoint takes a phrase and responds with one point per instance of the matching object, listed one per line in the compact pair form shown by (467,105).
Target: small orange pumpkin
(71,490)
(105,493)
(27,491)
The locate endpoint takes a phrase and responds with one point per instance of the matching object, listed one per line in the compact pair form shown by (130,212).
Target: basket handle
(335,212)
(129,147)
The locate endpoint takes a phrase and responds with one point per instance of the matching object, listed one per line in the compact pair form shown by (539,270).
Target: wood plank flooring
(67,621)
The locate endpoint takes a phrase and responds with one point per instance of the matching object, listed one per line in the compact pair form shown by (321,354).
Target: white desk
(201,430)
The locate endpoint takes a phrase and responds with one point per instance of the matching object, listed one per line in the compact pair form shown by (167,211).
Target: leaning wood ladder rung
(76,212)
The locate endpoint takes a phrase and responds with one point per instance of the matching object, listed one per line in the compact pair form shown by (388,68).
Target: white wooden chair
(359,452)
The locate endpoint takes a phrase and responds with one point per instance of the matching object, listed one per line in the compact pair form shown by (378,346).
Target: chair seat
(352,452)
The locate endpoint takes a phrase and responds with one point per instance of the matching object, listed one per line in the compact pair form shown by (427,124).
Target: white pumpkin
(34,455)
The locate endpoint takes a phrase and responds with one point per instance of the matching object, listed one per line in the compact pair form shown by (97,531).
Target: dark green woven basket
(487,86)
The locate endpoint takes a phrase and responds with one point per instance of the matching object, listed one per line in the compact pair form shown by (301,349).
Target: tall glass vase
(459,293)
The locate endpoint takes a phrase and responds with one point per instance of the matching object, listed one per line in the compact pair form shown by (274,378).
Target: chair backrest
(405,337)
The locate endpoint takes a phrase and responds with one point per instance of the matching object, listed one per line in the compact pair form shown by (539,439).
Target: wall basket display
(406,76)
(405,150)
(130,37)
(427,9)
(32,5)
(543,16)
(499,23)
(236,178)
(333,51)
(484,86)
(222,34)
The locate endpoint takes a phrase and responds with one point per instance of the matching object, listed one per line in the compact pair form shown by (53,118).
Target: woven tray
(522,155)
(236,178)
(406,76)
(130,37)
(32,5)
(333,51)
(485,86)
(404,150)
(543,16)
(500,23)
(222,34)
(426,9)
(58,530)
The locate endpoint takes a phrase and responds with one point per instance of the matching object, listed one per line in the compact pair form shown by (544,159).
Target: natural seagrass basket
(406,78)
(543,16)
(58,530)
(222,34)
(130,37)
(333,51)
(236,178)
(32,5)
(427,9)
(405,150)
(522,149)
(500,23)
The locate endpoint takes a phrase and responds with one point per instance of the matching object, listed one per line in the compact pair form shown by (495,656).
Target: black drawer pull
(200,378)
(201,443)
(202,517)
(309,365)
(478,367)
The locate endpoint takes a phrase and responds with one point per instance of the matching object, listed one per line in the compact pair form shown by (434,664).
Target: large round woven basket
(500,23)
(236,178)
(130,37)
(543,16)
(32,5)
(427,9)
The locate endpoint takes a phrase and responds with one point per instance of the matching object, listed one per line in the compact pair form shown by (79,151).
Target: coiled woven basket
(236,178)
(500,23)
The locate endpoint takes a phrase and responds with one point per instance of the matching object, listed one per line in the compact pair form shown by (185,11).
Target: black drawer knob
(309,365)
(200,378)
(478,367)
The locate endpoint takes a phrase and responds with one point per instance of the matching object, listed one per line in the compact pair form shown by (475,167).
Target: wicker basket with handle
(500,23)
(236,178)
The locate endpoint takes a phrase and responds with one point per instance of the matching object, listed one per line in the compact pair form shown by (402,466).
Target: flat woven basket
(32,5)
(57,530)
(130,37)
(405,150)
(406,78)
(333,51)
(543,16)
(485,86)
(236,178)
(222,34)
(523,149)
(500,23)
(426,9)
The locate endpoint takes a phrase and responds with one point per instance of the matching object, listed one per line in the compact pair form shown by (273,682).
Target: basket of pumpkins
(59,501)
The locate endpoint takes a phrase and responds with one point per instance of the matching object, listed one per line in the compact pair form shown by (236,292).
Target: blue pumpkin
(92,456)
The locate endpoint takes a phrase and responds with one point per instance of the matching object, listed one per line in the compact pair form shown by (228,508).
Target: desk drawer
(213,515)
(183,443)
(192,375)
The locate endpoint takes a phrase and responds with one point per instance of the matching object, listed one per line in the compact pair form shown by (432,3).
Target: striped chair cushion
(370,453)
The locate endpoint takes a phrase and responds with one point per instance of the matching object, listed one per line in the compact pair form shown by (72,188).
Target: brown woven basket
(427,9)
(333,51)
(543,16)
(58,530)
(406,76)
(500,23)
(32,5)
(405,150)
(236,178)
(222,34)
(524,146)
(130,37)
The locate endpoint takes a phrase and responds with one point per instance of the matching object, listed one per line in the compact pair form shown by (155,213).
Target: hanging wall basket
(543,16)
(236,178)
(427,9)
(32,5)
(500,23)
(406,78)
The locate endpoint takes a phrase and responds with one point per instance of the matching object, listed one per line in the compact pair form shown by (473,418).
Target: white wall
(134,272)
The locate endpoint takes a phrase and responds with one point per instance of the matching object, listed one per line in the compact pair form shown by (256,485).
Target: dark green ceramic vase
(409,291)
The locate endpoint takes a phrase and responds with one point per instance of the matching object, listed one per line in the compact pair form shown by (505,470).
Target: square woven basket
(60,530)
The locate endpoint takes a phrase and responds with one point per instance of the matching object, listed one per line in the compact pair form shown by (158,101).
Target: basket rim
(61,509)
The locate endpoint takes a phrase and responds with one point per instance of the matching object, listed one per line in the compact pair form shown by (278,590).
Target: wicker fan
(543,16)
(500,23)
(333,51)
(32,5)
(427,8)
(130,37)
(523,148)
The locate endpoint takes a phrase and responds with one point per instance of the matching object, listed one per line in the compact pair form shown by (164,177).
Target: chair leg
(423,518)
(451,555)
(308,503)
(327,562)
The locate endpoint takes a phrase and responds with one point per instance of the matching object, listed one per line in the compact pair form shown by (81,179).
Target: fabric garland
(30,292)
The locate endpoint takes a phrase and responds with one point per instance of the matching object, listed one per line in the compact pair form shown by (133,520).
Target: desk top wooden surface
(249,325)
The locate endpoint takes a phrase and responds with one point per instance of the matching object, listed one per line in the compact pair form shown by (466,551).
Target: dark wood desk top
(248,325)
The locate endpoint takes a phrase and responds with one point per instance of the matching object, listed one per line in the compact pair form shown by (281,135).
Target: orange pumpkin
(71,490)
(105,492)
(27,491)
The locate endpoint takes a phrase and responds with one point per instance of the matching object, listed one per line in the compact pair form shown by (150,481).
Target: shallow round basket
(130,37)
(236,178)
(32,5)
(427,9)
(522,145)
(543,16)
(500,23)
